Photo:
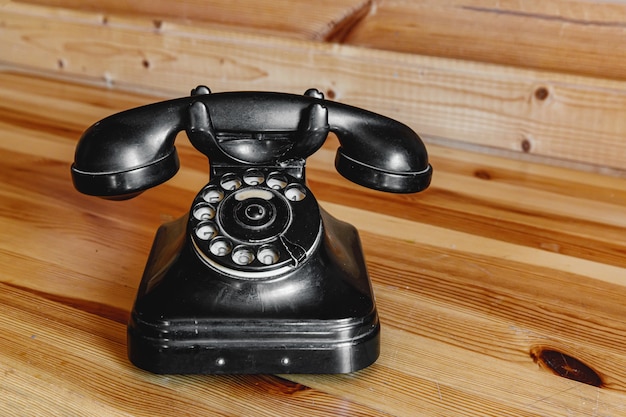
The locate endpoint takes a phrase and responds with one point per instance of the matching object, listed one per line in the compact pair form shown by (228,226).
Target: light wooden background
(509,256)
(533,78)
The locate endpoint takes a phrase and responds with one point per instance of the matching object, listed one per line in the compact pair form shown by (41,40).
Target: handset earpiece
(126,153)
(378,152)
(129,152)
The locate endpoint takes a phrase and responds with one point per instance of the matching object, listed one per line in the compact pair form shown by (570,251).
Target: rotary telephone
(256,278)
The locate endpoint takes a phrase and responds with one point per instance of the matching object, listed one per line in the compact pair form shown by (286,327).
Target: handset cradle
(256,277)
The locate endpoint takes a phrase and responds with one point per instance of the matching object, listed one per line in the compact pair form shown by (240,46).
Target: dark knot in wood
(565,365)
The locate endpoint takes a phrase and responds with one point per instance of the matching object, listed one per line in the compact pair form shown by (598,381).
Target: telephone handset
(256,278)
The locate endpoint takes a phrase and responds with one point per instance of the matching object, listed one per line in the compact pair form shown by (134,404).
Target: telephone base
(254,356)
(319,318)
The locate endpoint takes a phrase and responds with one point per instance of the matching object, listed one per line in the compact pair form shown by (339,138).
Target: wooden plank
(572,36)
(302,19)
(558,116)
(468,295)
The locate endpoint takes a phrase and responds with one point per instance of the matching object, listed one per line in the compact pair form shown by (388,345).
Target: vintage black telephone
(256,278)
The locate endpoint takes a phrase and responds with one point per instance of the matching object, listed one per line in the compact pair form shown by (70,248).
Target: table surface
(500,289)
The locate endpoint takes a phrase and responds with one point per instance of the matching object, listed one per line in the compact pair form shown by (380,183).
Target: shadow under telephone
(256,278)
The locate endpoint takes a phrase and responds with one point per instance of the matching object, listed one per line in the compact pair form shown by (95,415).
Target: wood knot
(482,174)
(565,366)
(542,93)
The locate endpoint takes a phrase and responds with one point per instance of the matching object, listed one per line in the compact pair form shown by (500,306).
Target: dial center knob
(255,212)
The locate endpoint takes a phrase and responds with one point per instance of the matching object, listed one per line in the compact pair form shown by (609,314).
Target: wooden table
(500,277)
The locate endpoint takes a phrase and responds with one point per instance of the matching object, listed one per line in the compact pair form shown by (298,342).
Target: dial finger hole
(277,181)
(206,231)
(220,246)
(212,195)
(203,212)
(268,255)
(295,192)
(230,182)
(243,256)
(253,177)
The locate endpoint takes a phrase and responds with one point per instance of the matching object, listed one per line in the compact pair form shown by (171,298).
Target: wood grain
(550,115)
(498,262)
(301,19)
(570,36)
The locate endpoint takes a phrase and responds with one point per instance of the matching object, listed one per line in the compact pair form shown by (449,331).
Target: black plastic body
(256,278)
(320,318)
